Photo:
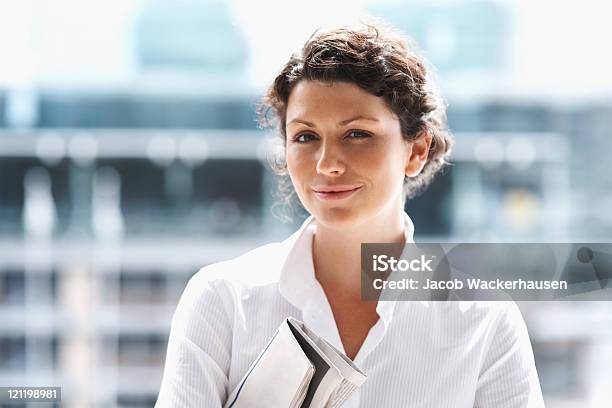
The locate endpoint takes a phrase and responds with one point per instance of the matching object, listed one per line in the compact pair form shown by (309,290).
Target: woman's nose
(330,161)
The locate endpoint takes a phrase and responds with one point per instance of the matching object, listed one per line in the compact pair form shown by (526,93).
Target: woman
(362,129)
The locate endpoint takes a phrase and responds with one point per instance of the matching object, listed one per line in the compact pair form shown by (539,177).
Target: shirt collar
(298,283)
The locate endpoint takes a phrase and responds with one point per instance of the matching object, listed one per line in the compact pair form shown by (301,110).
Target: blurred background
(130,158)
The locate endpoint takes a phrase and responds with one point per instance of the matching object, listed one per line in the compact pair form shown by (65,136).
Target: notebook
(297,369)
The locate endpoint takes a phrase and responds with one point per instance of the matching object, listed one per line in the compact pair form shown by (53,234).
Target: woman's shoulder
(259,266)
(223,282)
(486,310)
(230,280)
(474,313)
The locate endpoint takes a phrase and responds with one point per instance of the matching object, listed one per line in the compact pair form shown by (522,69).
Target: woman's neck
(337,253)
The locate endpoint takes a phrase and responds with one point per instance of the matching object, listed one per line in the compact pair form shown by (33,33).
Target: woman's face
(345,153)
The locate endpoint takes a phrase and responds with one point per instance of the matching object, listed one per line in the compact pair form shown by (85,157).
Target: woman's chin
(337,218)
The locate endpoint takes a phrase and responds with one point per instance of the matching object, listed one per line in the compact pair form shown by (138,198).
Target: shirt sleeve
(199,349)
(508,378)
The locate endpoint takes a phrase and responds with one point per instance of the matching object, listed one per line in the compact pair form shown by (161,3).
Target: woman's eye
(358,134)
(304,137)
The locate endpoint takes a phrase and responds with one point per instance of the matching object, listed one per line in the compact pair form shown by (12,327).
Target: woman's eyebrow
(303,122)
(356,118)
(342,123)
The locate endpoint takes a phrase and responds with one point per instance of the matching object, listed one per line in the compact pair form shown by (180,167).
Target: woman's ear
(418,151)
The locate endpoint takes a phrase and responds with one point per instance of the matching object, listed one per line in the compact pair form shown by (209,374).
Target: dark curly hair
(379,61)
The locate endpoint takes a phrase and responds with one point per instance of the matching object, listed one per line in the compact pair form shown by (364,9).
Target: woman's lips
(335,195)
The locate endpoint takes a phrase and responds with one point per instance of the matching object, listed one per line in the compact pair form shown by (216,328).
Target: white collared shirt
(418,354)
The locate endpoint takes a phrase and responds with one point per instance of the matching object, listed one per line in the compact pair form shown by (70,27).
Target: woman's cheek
(295,168)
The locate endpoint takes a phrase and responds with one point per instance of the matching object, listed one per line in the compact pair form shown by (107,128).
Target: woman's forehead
(310,98)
